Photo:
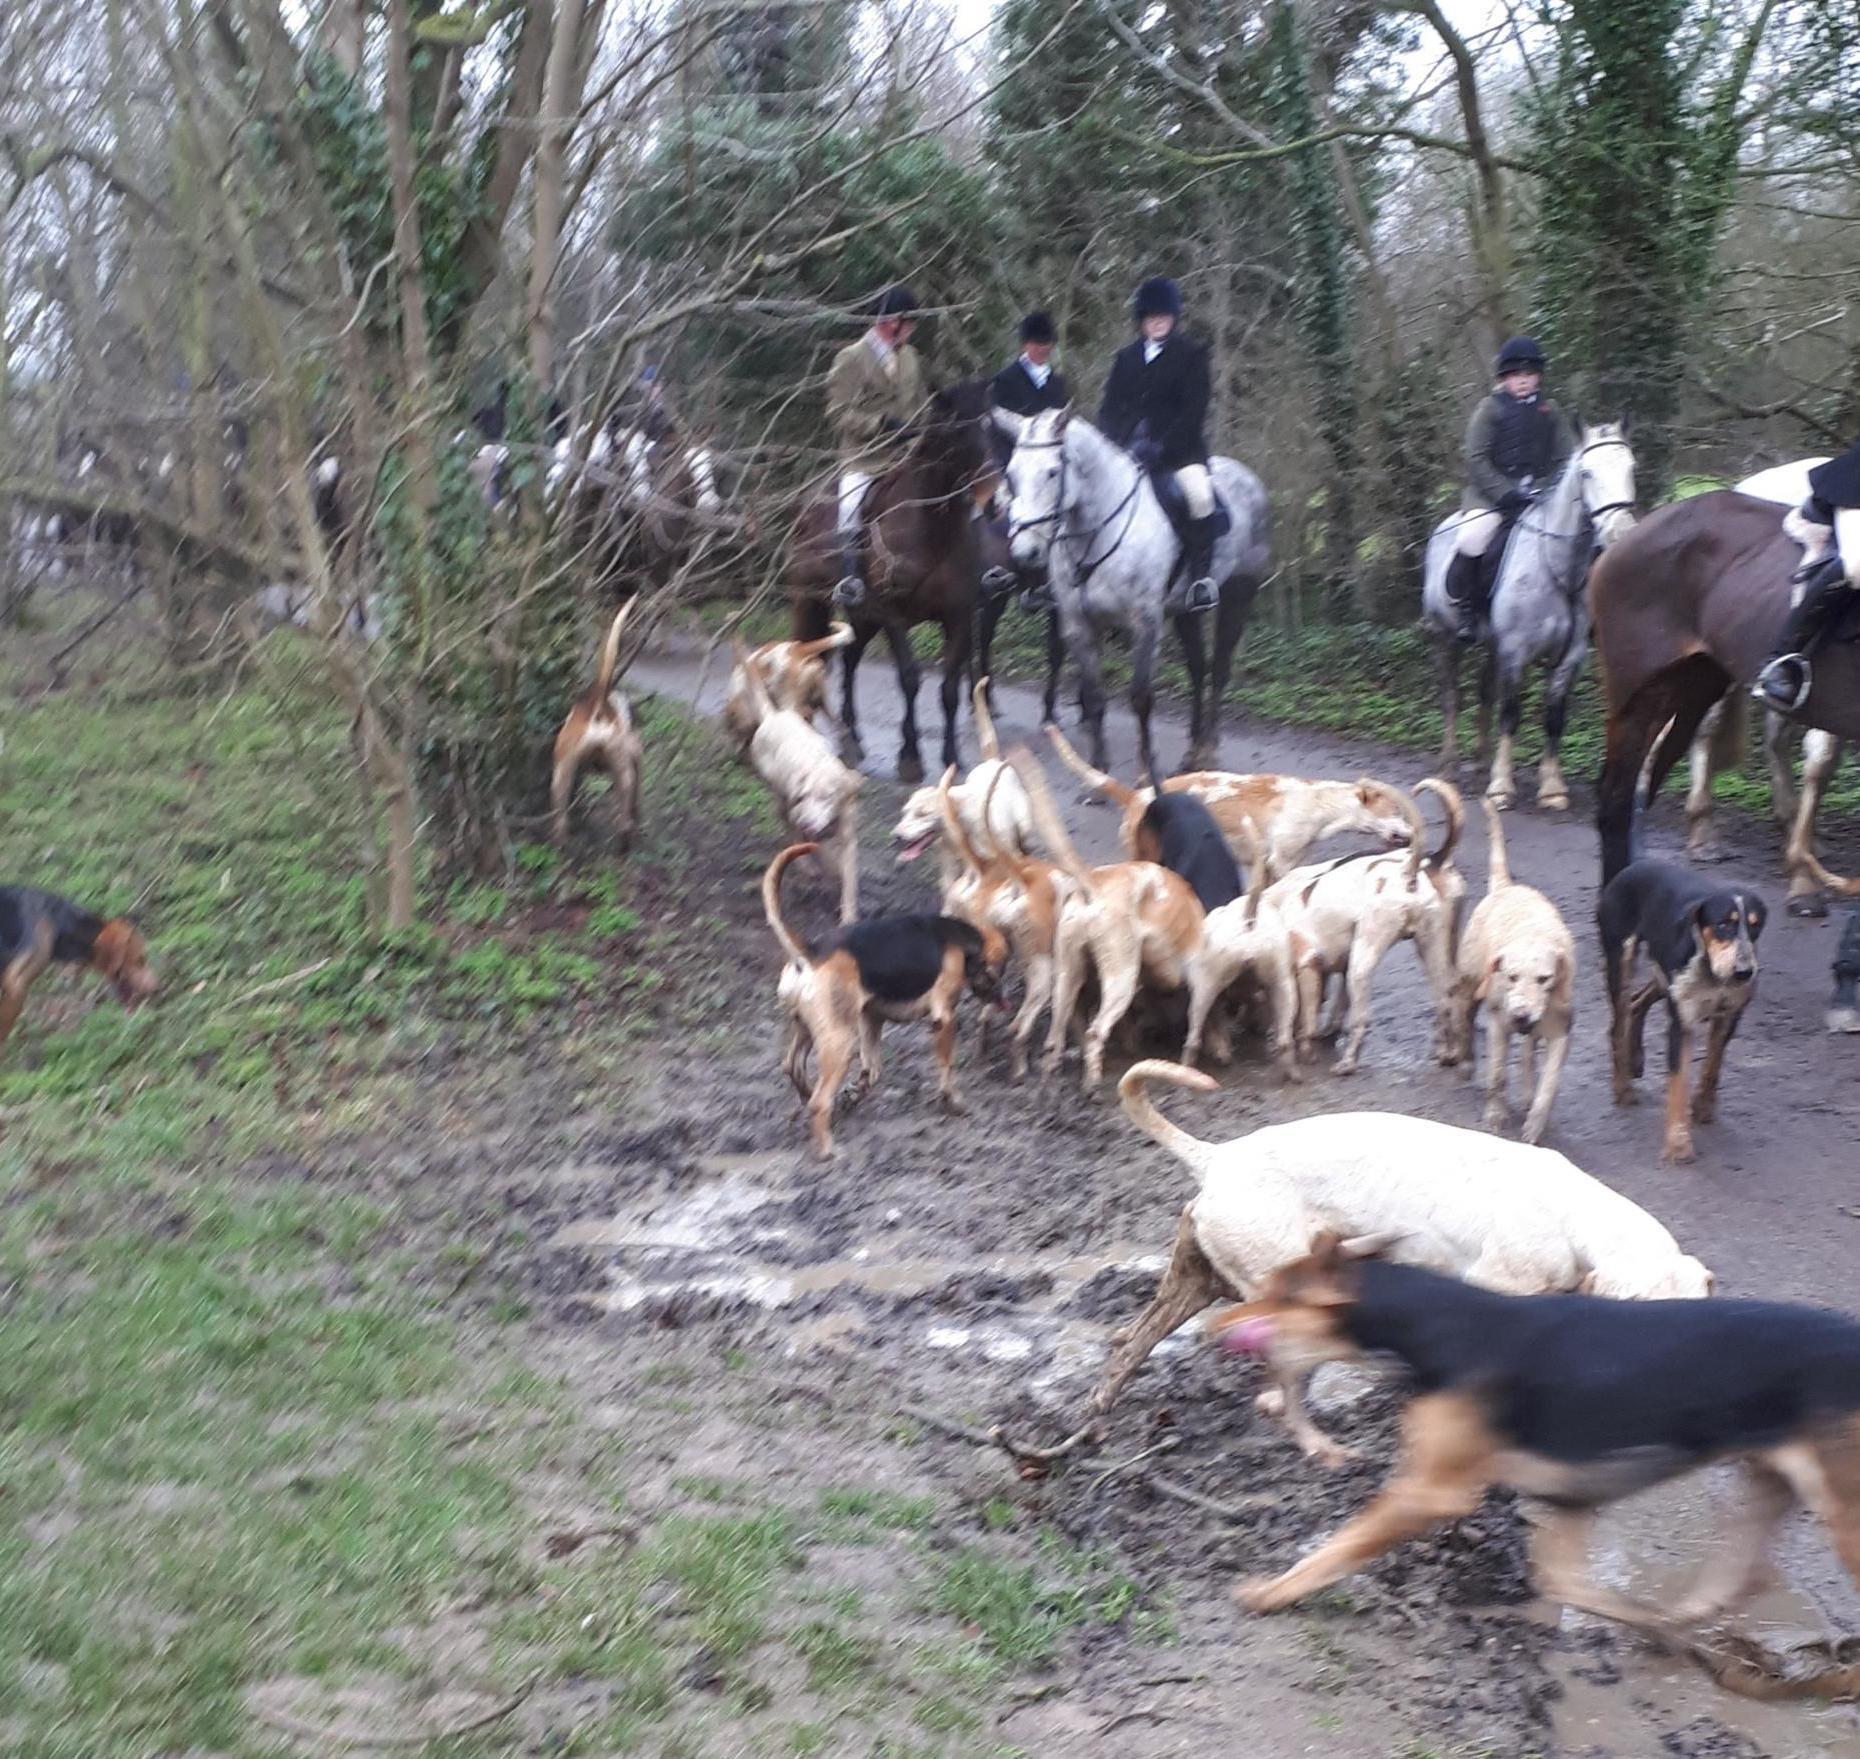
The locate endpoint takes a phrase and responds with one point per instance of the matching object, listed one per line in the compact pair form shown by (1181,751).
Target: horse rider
(1155,405)
(1517,444)
(1827,526)
(875,390)
(1027,385)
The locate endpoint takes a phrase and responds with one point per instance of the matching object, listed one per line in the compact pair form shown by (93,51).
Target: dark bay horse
(1685,607)
(921,566)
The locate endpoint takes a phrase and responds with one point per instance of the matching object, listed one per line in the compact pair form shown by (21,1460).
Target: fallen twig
(281,982)
(1025,1456)
(566,1540)
(1167,1445)
(308,1731)
(1227,1511)
(1149,1713)
(947,1425)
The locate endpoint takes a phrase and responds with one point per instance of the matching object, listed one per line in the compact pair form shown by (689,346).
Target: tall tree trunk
(561,94)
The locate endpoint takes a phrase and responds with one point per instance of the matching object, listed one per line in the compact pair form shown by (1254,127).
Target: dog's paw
(954,1106)
(1704,1108)
(1271,1403)
(1258,1594)
(1333,1456)
(1677,1149)
(1495,1117)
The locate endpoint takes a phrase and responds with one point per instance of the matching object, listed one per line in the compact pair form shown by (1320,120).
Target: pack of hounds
(1556,1337)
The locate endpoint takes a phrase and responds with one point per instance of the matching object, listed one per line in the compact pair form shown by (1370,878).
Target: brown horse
(921,564)
(1685,608)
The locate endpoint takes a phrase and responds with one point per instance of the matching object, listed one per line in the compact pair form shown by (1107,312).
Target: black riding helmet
(1520,355)
(896,302)
(1158,297)
(1037,327)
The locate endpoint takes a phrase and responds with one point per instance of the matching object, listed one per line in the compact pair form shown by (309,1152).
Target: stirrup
(997,580)
(1773,684)
(1203,595)
(849,592)
(1038,597)
(1466,625)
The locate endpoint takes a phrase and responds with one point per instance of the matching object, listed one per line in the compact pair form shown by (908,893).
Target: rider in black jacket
(1156,405)
(1827,525)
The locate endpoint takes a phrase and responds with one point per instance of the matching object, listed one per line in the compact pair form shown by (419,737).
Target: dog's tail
(838,636)
(1109,786)
(1449,798)
(771,899)
(984,721)
(1255,849)
(1133,1091)
(1497,867)
(1417,832)
(610,651)
(1046,818)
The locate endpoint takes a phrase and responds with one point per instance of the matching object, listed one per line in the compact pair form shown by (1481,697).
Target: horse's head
(1605,463)
(951,446)
(1036,477)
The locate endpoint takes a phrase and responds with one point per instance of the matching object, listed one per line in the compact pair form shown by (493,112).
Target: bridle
(1085,566)
(1596,514)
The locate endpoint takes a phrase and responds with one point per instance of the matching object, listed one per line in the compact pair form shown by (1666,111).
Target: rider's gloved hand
(1145,451)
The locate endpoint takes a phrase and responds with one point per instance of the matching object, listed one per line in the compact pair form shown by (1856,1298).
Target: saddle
(1169,493)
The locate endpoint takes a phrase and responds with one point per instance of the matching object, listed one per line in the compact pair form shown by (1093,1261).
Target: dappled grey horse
(1537,611)
(1082,507)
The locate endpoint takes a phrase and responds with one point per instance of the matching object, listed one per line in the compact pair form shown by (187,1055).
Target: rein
(1127,506)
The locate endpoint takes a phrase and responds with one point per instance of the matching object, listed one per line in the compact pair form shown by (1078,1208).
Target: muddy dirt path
(977,1267)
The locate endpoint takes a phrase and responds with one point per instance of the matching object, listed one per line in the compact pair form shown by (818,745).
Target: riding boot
(1463,595)
(849,591)
(1194,588)
(1787,677)
(1036,592)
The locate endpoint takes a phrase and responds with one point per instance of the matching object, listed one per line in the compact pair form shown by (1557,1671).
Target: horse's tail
(610,651)
(1449,798)
(771,899)
(1109,786)
(1497,868)
(1047,820)
(984,721)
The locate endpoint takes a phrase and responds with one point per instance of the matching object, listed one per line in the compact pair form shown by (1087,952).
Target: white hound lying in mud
(1500,1214)
(1284,815)
(1518,961)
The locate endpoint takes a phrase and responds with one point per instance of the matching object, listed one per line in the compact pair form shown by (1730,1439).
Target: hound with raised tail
(1518,961)
(1286,813)
(599,729)
(890,968)
(1015,893)
(793,674)
(816,794)
(1004,822)
(1461,1202)
(1134,923)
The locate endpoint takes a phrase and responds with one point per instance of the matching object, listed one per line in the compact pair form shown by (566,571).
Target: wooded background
(341,226)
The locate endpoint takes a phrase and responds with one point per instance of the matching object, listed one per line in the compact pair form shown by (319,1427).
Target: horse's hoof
(1553,802)
(910,768)
(1503,797)
(1810,904)
(852,752)
(1843,1019)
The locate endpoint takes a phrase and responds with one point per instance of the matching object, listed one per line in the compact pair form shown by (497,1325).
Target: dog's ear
(1485,983)
(1754,913)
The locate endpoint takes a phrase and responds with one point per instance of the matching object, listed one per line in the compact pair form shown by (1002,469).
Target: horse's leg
(1082,644)
(1236,607)
(1701,843)
(1776,740)
(1143,693)
(1488,677)
(850,656)
(1055,666)
(1502,789)
(910,675)
(1188,632)
(958,645)
(1552,789)
(1821,756)
(988,607)
(1447,671)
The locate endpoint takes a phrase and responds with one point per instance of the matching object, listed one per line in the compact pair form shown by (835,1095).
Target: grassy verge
(255,1460)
